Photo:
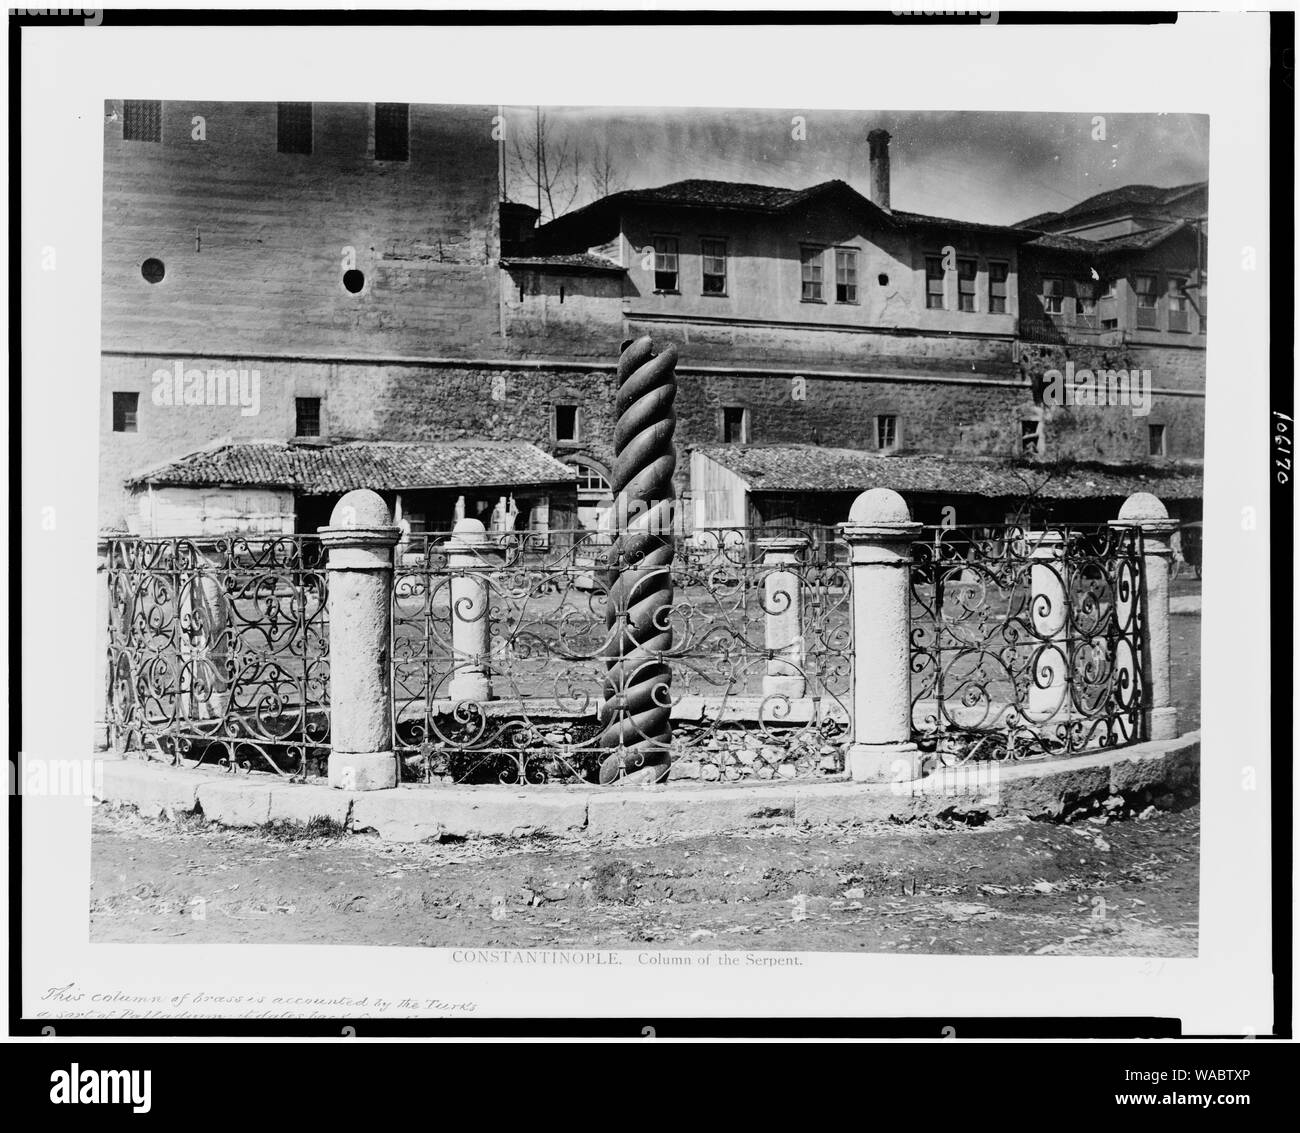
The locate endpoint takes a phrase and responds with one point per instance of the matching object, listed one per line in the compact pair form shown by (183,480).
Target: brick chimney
(878,144)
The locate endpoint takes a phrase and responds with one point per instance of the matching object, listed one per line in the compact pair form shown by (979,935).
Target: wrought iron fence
(1026,643)
(218,650)
(499,655)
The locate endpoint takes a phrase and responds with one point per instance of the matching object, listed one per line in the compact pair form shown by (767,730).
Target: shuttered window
(998,273)
(934,298)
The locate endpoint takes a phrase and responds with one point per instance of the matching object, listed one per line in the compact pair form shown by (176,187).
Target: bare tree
(547,165)
(603,175)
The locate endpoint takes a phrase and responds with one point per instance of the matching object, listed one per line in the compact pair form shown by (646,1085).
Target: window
(565,423)
(1156,440)
(125,408)
(887,432)
(1053,295)
(1085,301)
(142,121)
(810,269)
(713,255)
(1110,324)
(392,133)
(590,480)
(735,425)
(998,273)
(665,263)
(307,414)
(966,272)
(1110,290)
(846,275)
(934,283)
(293,127)
(1144,286)
(1178,303)
(1031,436)
(153,270)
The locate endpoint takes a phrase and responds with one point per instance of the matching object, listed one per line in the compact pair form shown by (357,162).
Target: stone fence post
(471,557)
(1142,509)
(360,539)
(879,532)
(782,617)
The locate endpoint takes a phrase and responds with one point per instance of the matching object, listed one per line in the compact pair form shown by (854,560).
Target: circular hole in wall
(882,279)
(354,280)
(153,270)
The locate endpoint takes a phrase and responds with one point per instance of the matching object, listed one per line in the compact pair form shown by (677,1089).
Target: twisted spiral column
(638,699)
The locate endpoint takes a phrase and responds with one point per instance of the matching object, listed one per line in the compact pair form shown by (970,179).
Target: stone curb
(419,813)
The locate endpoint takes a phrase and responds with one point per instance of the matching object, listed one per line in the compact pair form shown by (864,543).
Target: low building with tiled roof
(428,483)
(776,485)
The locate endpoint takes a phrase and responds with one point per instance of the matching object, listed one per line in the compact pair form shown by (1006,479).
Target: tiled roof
(599,220)
(339,467)
(573,262)
(806,468)
(1141,241)
(1112,245)
(596,220)
(1133,196)
(921,220)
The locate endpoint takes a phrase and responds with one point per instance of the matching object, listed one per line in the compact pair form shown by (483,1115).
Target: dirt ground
(1097,887)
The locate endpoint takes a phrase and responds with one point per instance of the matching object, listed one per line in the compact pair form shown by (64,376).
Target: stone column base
(1162,723)
(884,763)
(364,771)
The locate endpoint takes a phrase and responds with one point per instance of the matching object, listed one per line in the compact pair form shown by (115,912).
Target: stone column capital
(781,548)
(360,548)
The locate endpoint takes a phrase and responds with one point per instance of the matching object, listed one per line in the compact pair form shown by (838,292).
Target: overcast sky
(993,167)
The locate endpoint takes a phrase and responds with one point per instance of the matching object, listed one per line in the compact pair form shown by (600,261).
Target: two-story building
(822,331)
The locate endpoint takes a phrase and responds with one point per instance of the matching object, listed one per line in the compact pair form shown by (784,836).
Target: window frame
(812,257)
(890,422)
(1004,282)
(972,280)
(405,148)
(283,110)
(942,278)
(851,255)
(576,439)
(676,254)
(744,424)
(1047,297)
(134,411)
(585,472)
(298,403)
(1141,320)
(133,109)
(1085,292)
(1176,293)
(1039,438)
(705,274)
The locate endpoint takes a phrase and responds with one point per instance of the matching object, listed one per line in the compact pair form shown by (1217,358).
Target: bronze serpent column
(638,698)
